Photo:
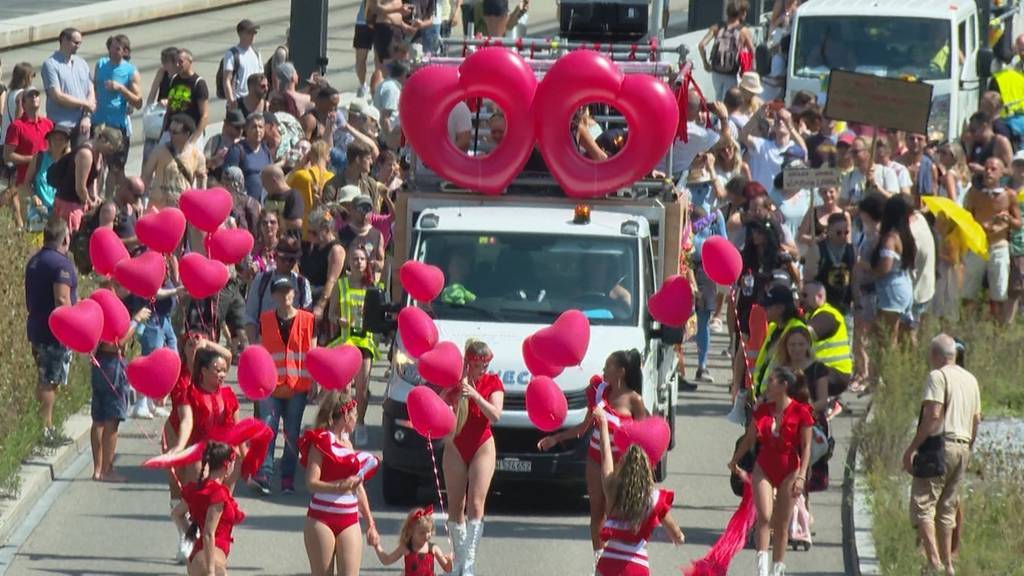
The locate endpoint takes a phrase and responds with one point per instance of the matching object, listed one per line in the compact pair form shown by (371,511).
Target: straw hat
(751,82)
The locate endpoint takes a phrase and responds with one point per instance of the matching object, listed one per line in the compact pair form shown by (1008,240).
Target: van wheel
(661,470)
(399,487)
(672,426)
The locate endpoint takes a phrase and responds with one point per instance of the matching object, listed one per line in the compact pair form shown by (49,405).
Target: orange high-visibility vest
(290,357)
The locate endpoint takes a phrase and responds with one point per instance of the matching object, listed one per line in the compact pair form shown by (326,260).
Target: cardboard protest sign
(890,103)
(801,178)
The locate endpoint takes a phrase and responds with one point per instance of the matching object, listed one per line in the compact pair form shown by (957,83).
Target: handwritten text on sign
(883,102)
(802,178)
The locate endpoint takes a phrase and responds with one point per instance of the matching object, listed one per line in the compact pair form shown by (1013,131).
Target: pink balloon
(78,327)
(106,250)
(651,434)
(429,414)
(230,245)
(546,404)
(334,368)
(206,209)
(155,374)
(417,330)
(672,304)
(161,231)
(201,276)
(535,364)
(116,320)
(257,374)
(423,282)
(442,365)
(142,275)
(582,77)
(721,260)
(430,94)
(565,342)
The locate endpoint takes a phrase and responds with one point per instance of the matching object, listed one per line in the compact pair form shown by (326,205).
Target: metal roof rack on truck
(552,48)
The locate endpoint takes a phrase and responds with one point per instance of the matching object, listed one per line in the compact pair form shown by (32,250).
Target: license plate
(513,465)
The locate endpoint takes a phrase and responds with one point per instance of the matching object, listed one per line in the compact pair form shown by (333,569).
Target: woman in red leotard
(334,476)
(213,511)
(415,547)
(782,427)
(469,453)
(617,391)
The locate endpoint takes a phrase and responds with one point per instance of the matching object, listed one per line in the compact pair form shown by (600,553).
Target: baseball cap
(288,247)
(363,200)
(32,89)
(1018,157)
(846,138)
(247,25)
(777,295)
(270,118)
(235,118)
(281,284)
(58,129)
(372,112)
(348,193)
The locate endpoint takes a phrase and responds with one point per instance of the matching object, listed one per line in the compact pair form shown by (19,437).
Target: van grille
(517,402)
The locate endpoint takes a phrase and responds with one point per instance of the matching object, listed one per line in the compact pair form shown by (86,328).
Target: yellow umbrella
(971,234)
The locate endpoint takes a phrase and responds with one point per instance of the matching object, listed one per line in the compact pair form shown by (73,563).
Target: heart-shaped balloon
(442,365)
(417,330)
(116,320)
(257,374)
(155,374)
(161,231)
(565,342)
(334,368)
(106,250)
(672,304)
(423,282)
(429,414)
(201,276)
(206,209)
(535,364)
(142,275)
(721,260)
(652,435)
(230,245)
(430,94)
(545,404)
(78,326)
(583,77)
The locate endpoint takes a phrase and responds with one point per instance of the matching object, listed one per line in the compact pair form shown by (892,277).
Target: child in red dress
(415,546)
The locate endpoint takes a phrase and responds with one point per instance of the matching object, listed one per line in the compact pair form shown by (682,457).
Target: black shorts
(231,307)
(495,7)
(383,36)
(363,39)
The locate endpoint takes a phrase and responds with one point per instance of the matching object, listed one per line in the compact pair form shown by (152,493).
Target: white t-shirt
(923,274)
(765,159)
(851,187)
(248,64)
(902,175)
(385,98)
(700,139)
(460,120)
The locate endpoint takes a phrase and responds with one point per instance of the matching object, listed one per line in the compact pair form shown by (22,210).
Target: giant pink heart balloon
(106,250)
(77,326)
(206,209)
(142,275)
(116,320)
(583,77)
(257,374)
(721,260)
(428,97)
(545,404)
(535,364)
(423,282)
(161,231)
(442,366)
(201,276)
(565,342)
(672,304)
(417,330)
(652,435)
(230,245)
(429,414)
(155,374)
(334,368)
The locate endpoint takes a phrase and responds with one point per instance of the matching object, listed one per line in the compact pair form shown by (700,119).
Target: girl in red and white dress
(415,547)
(334,476)
(635,508)
(213,510)
(617,392)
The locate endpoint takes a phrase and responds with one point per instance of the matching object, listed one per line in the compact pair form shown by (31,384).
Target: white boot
(764,564)
(474,530)
(778,569)
(458,532)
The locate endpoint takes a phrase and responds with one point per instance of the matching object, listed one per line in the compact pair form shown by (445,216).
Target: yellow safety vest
(354,332)
(834,351)
(764,356)
(1011,87)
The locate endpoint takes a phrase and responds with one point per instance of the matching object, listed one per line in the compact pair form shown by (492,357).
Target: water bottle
(748,284)
(357,320)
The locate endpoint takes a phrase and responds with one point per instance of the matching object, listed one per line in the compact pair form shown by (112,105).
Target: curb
(861,558)
(100,16)
(39,471)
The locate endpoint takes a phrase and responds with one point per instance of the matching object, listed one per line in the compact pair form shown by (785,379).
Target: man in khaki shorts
(952,407)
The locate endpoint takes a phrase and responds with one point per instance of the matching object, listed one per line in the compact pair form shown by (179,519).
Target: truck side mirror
(984,64)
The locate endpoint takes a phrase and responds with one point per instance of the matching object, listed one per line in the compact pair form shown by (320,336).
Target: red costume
(779,453)
(210,410)
(200,497)
(338,462)
(625,549)
(597,394)
(179,394)
(420,563)
(477,428)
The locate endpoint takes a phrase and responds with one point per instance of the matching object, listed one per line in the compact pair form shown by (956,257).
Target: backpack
(237,60)
(57,172)
(725,55)
(79,247)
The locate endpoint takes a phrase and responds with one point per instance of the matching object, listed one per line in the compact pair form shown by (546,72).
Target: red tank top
(210,410)
(200,499)
(420,563)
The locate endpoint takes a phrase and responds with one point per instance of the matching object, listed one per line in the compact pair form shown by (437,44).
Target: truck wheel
(399,487)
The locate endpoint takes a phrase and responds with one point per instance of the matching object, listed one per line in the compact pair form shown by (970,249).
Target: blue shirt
(71,76)
(251,162)
(111,106)
(46,268)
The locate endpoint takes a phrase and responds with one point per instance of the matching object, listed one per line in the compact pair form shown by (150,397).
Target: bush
(20,425)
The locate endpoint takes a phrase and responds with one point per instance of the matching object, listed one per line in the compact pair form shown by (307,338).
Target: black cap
(281,284)
(58,129)
(777,295)
(247,25)
(235,118)
(270,118)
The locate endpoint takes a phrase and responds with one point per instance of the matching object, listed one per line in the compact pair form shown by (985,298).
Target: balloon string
(440,496)
(123,398)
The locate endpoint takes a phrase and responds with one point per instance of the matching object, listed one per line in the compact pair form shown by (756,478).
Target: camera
(380,315)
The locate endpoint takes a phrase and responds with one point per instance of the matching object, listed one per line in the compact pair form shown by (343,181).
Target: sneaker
(141,410)
(260,485)
(687,386)
(184,549)
(703,375)
(359,436)
(287,486)
(161,412)
(362,91)
(717,326)
(53,438)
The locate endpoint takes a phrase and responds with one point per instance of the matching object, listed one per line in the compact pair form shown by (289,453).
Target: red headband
(428,510)
(347,406)
(471,357)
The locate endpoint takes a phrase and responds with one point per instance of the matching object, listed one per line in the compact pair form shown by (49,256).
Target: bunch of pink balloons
(547,353)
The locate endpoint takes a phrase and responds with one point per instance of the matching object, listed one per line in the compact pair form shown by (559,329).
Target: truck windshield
(522,278)
(891,47)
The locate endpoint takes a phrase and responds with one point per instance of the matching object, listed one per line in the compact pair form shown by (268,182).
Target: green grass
(993,535)
(20,425)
